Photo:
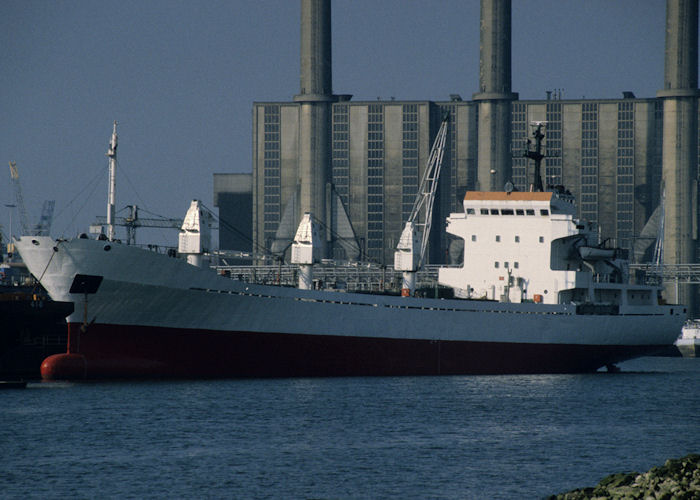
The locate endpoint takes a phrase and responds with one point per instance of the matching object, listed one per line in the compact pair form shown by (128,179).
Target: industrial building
(606,152)
(357,164)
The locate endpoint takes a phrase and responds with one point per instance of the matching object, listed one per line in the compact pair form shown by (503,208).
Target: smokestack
(680,146)
(315,99)
(316,60)
(494,96)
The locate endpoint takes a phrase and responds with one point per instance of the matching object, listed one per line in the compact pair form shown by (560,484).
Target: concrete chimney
(680,141)
(315,99)
(494,97)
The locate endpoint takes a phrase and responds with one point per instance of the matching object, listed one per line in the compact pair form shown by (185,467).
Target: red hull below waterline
(113,351)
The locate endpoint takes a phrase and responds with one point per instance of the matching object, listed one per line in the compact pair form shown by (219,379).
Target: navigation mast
(536,155)
(112,155)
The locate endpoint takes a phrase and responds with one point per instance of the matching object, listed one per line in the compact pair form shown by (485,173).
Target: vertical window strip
(553,145)
(625,174)
(589,162)
(375,181)
(340,154)
(451,146)
(410,155)
(519,136)
(271,171)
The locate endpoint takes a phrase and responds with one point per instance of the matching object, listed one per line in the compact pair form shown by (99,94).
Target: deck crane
(24,222)
(133,221)
(410,252)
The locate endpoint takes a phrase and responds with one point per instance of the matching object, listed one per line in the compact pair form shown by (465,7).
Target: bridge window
(530,211)
(544,212)
(484,211)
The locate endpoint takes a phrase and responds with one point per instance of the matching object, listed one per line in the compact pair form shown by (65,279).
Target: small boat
(689,341)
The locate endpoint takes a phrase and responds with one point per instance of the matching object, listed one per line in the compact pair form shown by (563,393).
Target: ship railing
(668,273)
(350,276)
(163,249)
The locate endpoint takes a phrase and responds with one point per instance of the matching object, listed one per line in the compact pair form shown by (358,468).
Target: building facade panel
(607,168)
(645,160)
(358,173)
(272,178)
(588,191)
(571,148)
(393,178)
(289,152)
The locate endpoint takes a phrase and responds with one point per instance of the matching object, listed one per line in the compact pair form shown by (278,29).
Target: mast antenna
(536,155)
(112,155)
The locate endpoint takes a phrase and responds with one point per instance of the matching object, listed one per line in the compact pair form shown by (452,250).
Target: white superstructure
(528,246)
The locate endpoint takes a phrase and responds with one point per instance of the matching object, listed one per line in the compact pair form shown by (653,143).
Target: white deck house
(507,237)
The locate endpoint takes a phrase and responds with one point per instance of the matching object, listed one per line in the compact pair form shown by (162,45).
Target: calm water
(410,437)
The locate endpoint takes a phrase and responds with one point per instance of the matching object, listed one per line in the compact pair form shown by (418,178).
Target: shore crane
(410,252)
(43,226)
(23,220)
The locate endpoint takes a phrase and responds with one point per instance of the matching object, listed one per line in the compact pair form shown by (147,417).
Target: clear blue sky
(180,77)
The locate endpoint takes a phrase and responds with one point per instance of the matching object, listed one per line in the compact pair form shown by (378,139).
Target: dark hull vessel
(33,327)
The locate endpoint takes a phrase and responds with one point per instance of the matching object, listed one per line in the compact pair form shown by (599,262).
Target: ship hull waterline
(146,314)
(123,351)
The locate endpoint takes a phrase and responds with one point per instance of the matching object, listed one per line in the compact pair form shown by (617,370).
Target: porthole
(107,248)
(34,242)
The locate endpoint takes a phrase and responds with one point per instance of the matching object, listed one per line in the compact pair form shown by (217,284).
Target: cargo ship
(534,295)
(536,292)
